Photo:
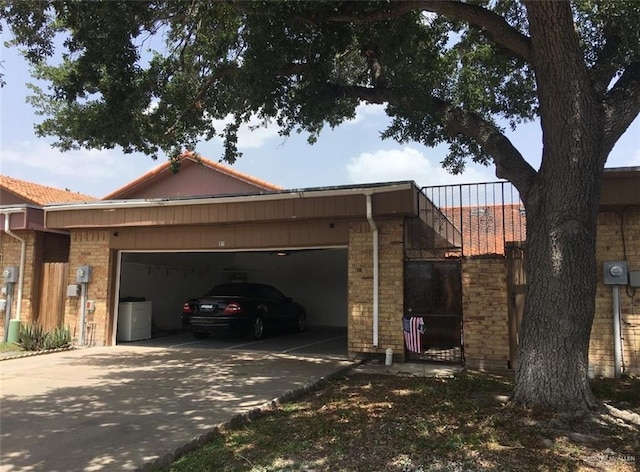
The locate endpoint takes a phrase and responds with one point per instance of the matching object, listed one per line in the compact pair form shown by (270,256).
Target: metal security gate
(433,311)
(516,287)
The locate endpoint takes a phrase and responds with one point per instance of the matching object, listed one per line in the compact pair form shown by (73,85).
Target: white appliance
(134,321)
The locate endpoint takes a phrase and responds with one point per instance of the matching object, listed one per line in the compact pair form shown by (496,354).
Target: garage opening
(153,286)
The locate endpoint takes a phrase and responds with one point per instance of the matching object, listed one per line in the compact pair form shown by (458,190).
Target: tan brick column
(391,288)
(90,248)
(485,312)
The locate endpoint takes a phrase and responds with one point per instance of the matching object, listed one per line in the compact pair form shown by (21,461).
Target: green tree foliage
(154,76)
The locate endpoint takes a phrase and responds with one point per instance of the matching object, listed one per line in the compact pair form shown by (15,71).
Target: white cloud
(91,172)
(255,134)
(367,111)
(41,156)
(251,135)
(155,102)
(427,17)
(410,164)
(255,138)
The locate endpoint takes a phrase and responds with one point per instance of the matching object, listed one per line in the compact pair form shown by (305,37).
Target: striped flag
(413,328)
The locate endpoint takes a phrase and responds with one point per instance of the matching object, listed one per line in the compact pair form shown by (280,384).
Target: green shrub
(57,338)
(33,337)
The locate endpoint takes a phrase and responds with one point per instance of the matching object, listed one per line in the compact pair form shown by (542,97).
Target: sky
(353,153)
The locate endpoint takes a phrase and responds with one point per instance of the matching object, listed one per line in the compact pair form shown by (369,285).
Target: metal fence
(468,219)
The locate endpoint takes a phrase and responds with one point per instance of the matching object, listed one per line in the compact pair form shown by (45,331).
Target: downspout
(617,343)
(376,272)
(23,257)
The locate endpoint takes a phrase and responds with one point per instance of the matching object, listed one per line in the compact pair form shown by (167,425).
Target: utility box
(73,290)
(634,278)
(615,273)
(10,275)
(83,274)
(13,335)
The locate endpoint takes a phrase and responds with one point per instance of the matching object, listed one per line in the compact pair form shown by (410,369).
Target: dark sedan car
(242,307)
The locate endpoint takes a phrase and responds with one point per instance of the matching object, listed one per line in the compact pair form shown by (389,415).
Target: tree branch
(492,25)
(622,104)
(288,70)
(197,101)
(510,164)
(603,71)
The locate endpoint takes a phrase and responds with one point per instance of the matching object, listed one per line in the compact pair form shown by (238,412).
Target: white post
(617,344)
(83,312)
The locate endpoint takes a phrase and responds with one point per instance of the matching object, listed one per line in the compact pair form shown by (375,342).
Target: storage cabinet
(134,321)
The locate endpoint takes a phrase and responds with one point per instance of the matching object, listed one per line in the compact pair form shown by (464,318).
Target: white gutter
(23,256)
(160,202)
(376,272)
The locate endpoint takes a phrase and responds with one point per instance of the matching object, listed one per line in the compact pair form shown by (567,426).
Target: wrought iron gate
(516,287)
(433,293)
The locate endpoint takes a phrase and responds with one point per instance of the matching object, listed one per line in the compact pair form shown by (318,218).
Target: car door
(277,305)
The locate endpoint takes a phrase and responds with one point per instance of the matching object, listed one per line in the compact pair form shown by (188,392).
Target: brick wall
(10,249)
(611,243)
(90,248)
(485,312)
(391,288)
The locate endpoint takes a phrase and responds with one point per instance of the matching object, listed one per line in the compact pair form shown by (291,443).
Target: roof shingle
(37,194)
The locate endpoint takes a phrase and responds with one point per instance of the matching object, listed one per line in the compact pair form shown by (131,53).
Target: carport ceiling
(203,258)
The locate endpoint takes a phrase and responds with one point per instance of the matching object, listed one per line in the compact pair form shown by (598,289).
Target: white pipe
(376,272)
(23,257)
(617,344)
(83,313)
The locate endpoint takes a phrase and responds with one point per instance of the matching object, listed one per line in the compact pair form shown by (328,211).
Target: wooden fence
(53,294)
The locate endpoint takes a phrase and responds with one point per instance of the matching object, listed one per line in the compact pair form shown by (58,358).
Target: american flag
(413,328)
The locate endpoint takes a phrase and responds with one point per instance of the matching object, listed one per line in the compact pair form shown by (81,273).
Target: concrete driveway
(121,407)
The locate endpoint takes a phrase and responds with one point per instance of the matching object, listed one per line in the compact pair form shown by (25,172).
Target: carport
(339,251)
(314,277)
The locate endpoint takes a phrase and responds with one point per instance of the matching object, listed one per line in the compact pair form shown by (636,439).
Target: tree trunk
(562,208)
(560,299)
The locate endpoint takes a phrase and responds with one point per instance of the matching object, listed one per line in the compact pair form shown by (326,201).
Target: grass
(9,347)
(413,424)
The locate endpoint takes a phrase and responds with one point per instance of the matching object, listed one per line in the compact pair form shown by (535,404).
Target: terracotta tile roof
(191,157)
(486,229)
(37,194)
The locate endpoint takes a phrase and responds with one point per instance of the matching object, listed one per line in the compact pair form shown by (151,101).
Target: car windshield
(234,290)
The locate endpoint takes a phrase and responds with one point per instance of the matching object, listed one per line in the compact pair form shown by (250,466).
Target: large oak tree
(447,71)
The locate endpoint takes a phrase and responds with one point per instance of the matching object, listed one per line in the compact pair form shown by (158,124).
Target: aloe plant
(33,337)
(57,338)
